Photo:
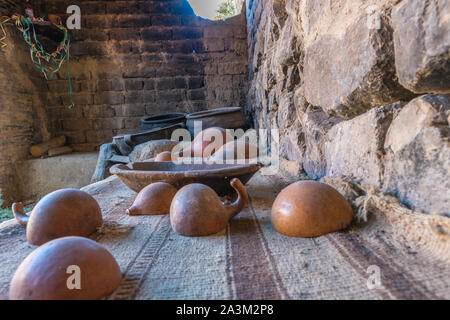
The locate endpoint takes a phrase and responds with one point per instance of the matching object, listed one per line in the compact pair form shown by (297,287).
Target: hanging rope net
(48,63)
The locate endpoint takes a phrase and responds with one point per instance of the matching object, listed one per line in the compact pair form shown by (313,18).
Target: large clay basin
(227,118)
(162,120)
(138,175)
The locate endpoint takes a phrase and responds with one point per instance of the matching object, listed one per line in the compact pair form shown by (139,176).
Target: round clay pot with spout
(62,213)
(198,211)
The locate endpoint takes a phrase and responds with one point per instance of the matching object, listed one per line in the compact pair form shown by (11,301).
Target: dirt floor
(249,260)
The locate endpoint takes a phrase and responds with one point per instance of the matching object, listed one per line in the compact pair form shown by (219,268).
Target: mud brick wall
(22,117)
(357,88)
(139,58)
(129,60)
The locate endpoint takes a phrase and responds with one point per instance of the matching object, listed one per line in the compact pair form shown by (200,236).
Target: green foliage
(226,10)
(6,214)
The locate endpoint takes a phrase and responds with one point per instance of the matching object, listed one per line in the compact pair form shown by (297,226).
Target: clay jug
(153,199)
(198,211)
(62,213)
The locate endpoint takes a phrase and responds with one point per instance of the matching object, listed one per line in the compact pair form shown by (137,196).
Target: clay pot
(207,142)
(66,212)
(310,209)
(153,199)
(235,150)
(231,118)
(46,273)
(164,156)
(162,120)
(198,211)
(224,156)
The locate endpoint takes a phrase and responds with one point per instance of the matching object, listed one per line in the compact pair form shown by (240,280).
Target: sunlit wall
(207,8)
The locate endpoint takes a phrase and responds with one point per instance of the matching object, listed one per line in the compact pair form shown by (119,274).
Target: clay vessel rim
(148,131)
(212,112)
(209,169)
(162,118)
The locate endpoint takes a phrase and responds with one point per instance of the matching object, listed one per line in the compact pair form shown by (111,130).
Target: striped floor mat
(248,260)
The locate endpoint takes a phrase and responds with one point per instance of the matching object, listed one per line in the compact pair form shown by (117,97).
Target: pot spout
(237,206)
(21,217)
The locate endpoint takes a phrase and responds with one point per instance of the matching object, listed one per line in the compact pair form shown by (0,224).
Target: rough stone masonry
(357,88)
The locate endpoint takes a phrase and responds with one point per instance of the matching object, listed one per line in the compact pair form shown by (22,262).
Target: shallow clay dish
(138,175)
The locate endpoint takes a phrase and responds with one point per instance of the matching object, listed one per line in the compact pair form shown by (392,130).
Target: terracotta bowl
(138,175)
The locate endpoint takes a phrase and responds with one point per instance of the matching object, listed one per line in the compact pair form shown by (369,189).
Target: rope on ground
(113,228)
(420,231)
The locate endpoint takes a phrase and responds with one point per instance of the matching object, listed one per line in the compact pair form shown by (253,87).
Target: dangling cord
(67,57)
(70,89)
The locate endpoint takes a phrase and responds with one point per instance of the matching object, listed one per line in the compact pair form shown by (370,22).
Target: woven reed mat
(250,260)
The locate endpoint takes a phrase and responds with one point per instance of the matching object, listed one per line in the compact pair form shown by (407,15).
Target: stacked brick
(139,58)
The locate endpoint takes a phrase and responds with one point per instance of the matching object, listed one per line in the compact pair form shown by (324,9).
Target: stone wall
(357,88)
(139,58)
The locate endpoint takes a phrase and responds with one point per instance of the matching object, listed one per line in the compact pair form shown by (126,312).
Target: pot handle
(241,201)
(21,217)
